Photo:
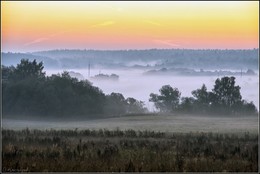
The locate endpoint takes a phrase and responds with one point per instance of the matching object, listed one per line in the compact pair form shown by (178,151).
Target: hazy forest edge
(27,91)
(146,59)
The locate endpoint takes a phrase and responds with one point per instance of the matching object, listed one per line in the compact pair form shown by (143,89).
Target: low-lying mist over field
(133,83)
(158,123)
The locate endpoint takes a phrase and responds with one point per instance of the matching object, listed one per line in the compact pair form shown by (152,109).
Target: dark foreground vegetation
(129,150)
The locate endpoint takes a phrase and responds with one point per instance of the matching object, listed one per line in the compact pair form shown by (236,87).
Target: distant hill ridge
(168,58)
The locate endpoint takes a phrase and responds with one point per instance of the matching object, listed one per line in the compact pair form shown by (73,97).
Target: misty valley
(152,110)
(133,72)
(129,86)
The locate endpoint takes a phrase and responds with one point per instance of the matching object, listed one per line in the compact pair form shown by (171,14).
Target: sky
(44,25)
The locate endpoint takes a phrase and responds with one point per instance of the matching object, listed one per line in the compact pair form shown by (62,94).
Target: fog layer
(132,83)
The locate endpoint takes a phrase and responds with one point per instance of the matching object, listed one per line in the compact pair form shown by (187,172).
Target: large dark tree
(247,108)
(168,100)
(21,87)
(115,104)
(226,95)
(187,104)
(7,72)
(202,99)
(28,69)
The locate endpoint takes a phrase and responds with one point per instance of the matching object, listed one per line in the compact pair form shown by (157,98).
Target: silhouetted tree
(187,104)
(135,106)
(115,104)
(168,100)
(246,108)
(202,101)
(7,72)
(28,69)
(225,95)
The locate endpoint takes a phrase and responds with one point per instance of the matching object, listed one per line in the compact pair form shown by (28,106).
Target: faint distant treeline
(28,92)
(192,72)
(158,58)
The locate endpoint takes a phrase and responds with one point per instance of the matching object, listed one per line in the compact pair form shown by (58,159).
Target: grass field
(165,123)
(146,143)
(130,151)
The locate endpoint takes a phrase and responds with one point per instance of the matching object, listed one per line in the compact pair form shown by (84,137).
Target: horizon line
(75,49)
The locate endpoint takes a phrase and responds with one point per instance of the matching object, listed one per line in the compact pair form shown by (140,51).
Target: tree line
(225,98)
(27,91)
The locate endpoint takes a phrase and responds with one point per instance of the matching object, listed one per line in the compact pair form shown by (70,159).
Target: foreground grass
(133,151)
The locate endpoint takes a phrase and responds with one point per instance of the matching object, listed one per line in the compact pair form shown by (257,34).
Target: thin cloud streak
(36,41)
(39,40)
(167,42)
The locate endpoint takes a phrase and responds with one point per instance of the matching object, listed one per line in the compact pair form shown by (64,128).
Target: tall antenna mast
(88,69)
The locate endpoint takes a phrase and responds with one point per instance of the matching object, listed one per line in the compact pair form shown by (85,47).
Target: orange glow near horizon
(32,26)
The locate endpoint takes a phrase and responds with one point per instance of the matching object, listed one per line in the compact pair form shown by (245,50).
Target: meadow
(141,122)
(31,150)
